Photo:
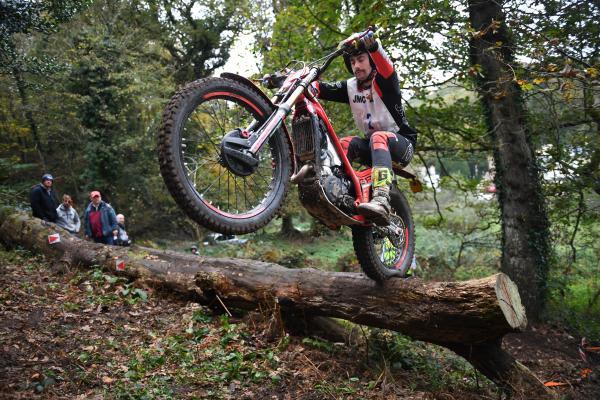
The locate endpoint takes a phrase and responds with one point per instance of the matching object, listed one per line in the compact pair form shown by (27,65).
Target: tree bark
(287,226)
(468,317)
(525,246)
(29,116)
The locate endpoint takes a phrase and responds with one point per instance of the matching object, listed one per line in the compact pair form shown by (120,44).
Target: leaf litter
(89,335)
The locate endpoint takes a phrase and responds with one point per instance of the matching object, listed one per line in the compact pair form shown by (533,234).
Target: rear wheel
(210,188)
(387,251)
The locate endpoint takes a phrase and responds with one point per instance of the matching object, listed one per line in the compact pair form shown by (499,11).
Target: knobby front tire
(189,141)
(383,254)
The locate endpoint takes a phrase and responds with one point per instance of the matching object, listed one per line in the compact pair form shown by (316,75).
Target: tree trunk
(469,317)
(525,247)
(287,227)
(29,116)
(589,172)
(287,224)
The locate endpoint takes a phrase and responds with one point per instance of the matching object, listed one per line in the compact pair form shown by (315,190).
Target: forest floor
(88,335)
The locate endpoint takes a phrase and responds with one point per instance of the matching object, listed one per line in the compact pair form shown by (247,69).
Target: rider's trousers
(379,149)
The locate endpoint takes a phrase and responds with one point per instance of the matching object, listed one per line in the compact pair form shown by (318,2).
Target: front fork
(258,138)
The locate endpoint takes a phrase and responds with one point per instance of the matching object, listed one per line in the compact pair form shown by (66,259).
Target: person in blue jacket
(100,220)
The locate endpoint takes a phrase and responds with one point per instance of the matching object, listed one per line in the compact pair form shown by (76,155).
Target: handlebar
(344,46)
(329,58)
(275,80)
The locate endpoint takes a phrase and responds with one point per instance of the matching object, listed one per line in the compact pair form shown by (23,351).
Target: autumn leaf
(524,84)
(495,25)
(554,384)
(585,373)
(591,72)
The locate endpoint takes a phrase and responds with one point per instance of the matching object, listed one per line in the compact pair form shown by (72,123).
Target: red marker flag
(120,265)
(54,238)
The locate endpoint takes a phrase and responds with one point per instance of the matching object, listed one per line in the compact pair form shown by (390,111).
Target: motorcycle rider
(376,104)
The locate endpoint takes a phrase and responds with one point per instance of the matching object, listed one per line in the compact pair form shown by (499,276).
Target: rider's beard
(362,74)
(365,83)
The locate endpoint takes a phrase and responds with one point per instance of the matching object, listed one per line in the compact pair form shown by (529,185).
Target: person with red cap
(100,220)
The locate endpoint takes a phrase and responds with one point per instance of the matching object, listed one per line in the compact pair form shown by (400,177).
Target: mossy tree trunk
(525,246)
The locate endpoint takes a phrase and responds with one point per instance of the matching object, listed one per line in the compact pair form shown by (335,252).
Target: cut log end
(510,302)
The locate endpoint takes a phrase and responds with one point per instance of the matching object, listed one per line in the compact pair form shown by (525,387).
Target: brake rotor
(235,154)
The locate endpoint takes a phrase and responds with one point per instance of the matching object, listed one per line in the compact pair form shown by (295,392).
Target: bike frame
(360,179)
(296,89)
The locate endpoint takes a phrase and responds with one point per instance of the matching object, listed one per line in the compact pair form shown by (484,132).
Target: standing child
(67,216)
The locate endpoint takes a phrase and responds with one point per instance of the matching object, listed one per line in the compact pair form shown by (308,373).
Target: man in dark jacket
(43,199)
(100,220)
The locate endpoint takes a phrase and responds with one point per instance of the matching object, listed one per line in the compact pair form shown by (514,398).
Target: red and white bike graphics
(228,159)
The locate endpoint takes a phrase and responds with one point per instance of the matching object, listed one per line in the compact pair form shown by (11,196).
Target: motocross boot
(378,209)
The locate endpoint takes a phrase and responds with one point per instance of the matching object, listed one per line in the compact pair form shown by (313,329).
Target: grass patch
(321,252)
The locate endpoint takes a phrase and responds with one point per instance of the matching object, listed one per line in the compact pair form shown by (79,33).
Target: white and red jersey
(378,108)
(369,112)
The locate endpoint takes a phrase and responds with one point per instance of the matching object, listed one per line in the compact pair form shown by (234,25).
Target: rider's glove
(349,42)
(370,42)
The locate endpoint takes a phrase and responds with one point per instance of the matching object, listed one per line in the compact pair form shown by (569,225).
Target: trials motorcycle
(228,159)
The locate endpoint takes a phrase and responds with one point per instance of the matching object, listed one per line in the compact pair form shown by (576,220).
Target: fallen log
(469,317)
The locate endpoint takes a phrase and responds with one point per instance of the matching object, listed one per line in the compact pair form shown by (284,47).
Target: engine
(338,190)
(313,147)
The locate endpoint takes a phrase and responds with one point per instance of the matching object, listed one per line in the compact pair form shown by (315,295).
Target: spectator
(194,250)
(99,220)
(67,216)
(43,199)
(122,237)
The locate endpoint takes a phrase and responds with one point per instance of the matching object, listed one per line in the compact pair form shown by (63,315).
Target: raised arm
(335,91)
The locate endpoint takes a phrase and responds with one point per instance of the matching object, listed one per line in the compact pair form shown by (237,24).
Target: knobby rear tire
(369,256)
(173,168)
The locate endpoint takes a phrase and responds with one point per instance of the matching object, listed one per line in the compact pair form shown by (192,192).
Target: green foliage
(195,354)
(293,259)
(15,196)
(318,344)
(97,111)
(27,17)
(134,294)
(574,288)
(464,242)
(196,34)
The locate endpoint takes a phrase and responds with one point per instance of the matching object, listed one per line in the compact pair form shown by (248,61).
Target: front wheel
(387,251)
(207,188)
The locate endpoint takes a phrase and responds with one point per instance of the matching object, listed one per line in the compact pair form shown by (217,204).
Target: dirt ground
(87,335)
